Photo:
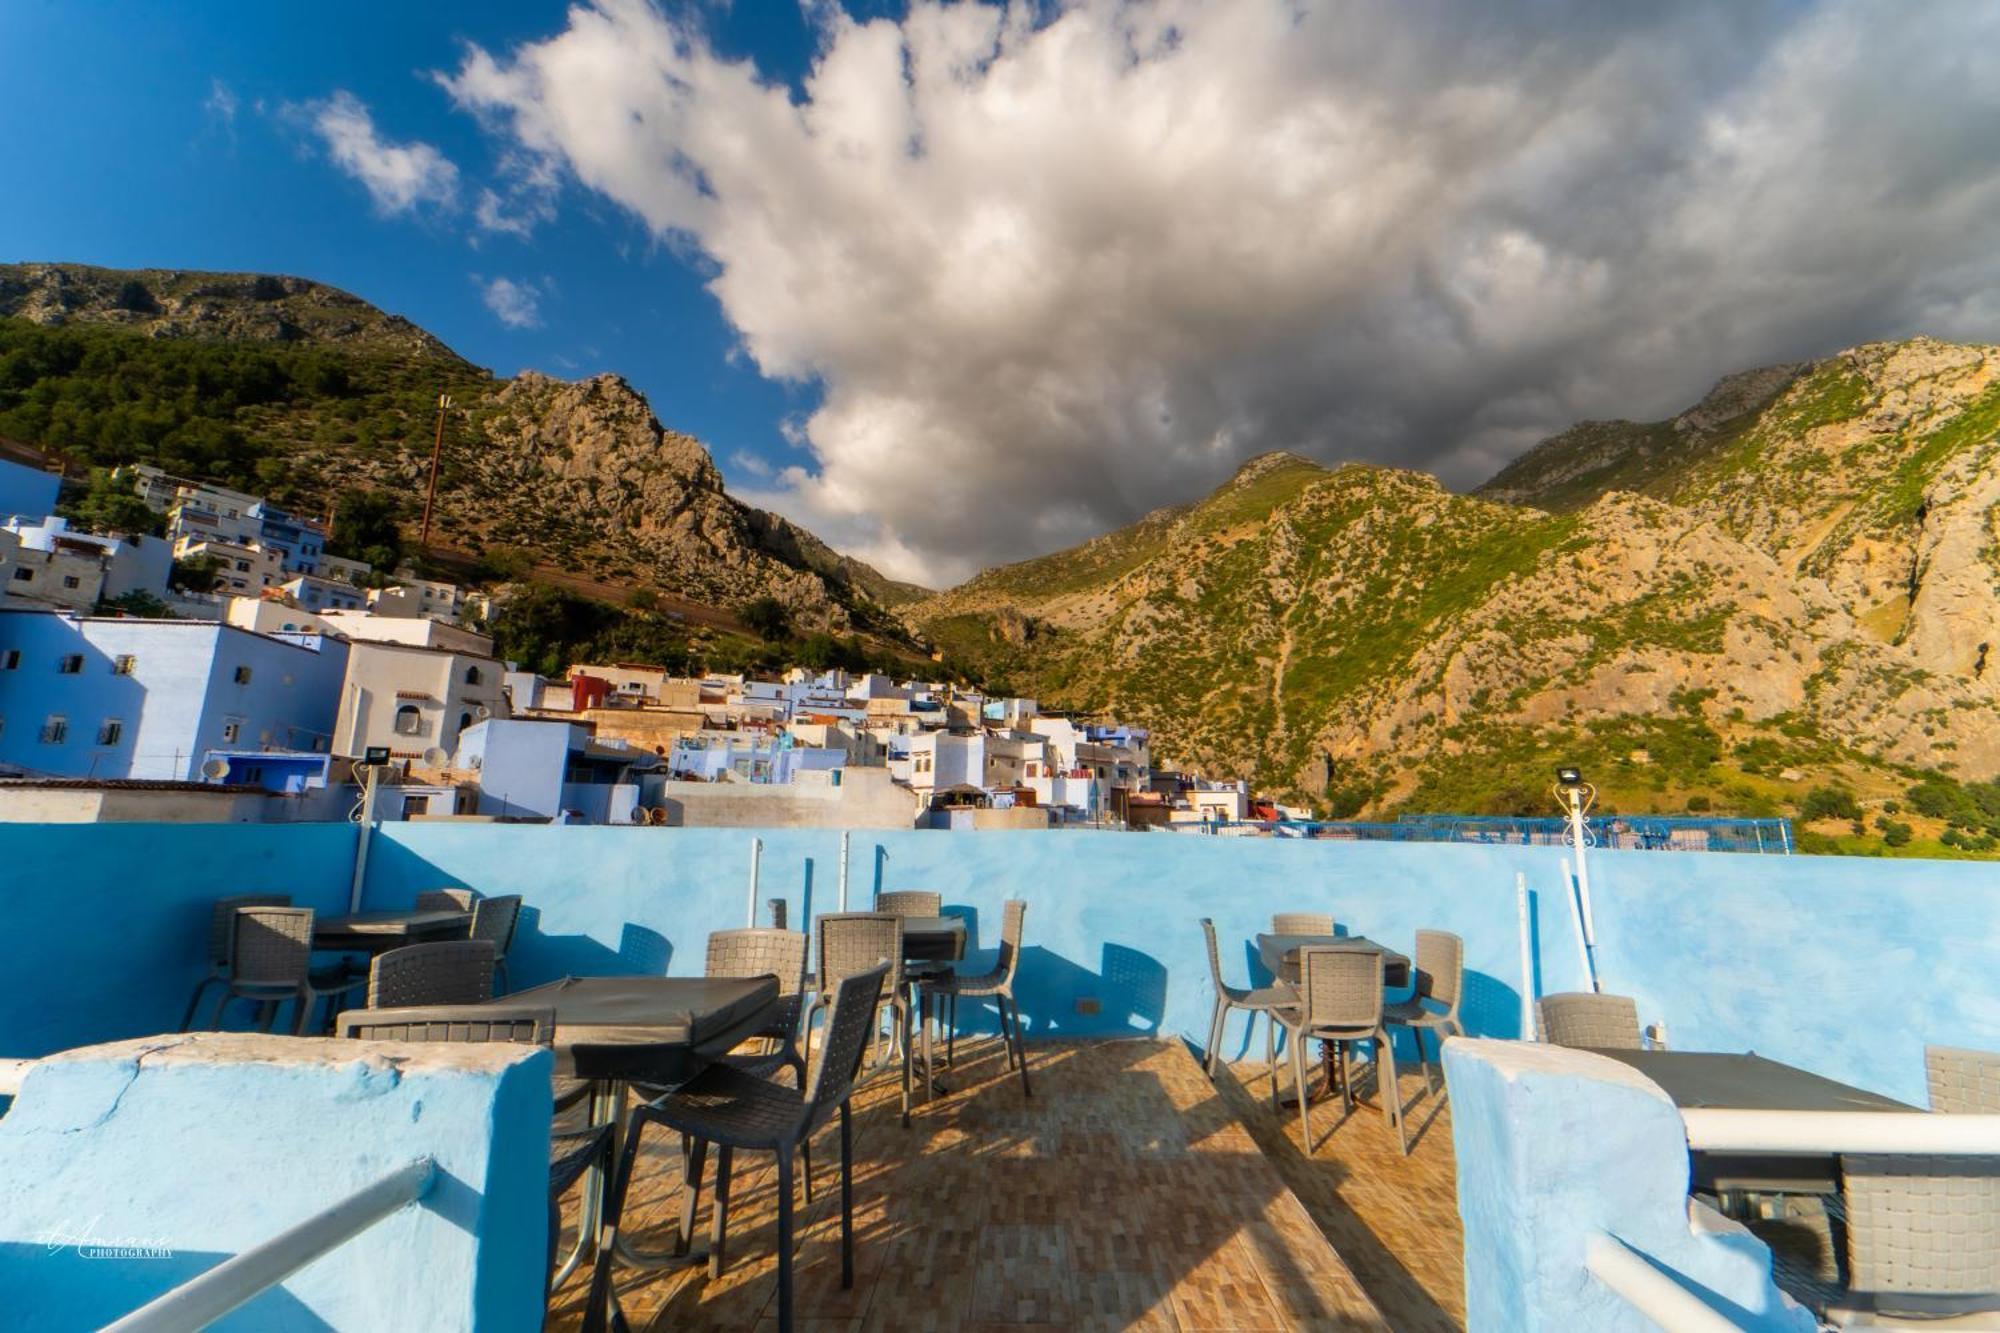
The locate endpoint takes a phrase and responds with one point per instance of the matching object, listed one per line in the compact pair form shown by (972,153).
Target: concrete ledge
(126,1169)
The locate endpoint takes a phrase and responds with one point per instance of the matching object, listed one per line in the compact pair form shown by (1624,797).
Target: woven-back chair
(1441,981)
(850,943)
(1581,1018)
(1302,923)
(1265,1000)
(270,962)
(1340,1000)
(731,1109)
(1923,1232)
(997,985)
(571,1151)
(221,935)
(446,900)
(442,972)
(1963,1082)
(910,902)
(493,920)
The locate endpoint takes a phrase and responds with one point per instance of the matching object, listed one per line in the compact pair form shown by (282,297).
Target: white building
(360,625)
(316,592)
(419,597)
(242,569)
(51,554)
(412,699)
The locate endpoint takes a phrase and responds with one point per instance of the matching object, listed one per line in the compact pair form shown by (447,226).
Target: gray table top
(1747,1082)
(1280,952)
(934,938)
(378,931)
(655,1029)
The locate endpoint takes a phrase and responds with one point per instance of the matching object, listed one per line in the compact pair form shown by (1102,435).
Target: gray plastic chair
(454,972)
(1302,923)
(910,902)
(1440,980)
(1340,1000)
(221,935)
(732,1109)
(493,920)
(1923,1232)
(1266,1000)
(1580,1018)
(851,943)
(270,962)
(571,1151)
(997,985)
(446,900)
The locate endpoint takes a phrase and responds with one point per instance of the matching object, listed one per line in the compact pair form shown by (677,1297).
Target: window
(472,676)
(24,576)
(464,721)
(408,720)
(243,675)
(111,732)
(55,729)
(231,730)
(11,659)
(243,566)
(70,664)
(72,581)
(122,664)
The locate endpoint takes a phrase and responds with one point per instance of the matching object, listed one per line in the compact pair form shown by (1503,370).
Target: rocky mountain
(293,388)
(1795,584)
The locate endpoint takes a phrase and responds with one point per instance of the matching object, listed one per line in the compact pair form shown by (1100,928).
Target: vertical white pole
(1576,923)
(756,861)
(1527,962)
(361,845)
(844,837)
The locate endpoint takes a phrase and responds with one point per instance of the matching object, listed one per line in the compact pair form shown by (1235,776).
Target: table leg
(596,1189)
(1328,1080)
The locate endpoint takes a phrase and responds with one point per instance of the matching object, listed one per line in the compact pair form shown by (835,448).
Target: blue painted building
(84,696)
(534,769)
(26,491)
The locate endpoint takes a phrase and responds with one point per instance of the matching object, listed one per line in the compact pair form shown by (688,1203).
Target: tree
(1829,803)
(769,617)
(195,574)
(364,528)
(109,505)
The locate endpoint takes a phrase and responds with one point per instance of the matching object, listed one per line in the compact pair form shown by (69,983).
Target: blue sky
(125,152)
(961,283)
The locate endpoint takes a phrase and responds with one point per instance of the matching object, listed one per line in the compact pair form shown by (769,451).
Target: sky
(956,284)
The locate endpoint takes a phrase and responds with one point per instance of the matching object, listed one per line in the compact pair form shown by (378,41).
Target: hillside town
(293,686)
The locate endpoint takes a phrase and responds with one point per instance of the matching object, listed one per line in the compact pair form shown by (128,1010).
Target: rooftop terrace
(1131,1191)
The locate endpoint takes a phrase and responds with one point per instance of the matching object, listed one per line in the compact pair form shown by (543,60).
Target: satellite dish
(215,770)
(435,758)
(482,712)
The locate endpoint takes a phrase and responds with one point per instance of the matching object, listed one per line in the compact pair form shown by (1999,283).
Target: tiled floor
(1393,1219)
(1127,1193)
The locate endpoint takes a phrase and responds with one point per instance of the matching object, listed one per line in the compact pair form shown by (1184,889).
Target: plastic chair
(1581,1018)
(1265,1000)
(854,942)
(997,985)
(1340,1000)
(270,962)
(1441,980)
(221,936)
(443,972)
(731,1109)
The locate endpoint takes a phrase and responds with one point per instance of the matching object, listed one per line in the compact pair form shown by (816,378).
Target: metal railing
(1649,1290)
(236,1281)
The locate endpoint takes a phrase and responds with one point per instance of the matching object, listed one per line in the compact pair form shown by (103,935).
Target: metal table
(937,942)
(379,932)
(1280,956)
(656,1030)
(1749,1082)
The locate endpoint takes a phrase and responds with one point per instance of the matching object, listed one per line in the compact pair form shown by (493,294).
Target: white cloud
(1054,274)
(399,177)
(518,305)
(750,464)
(221,104)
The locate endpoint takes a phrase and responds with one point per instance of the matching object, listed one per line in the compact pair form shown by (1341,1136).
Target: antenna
(435,757)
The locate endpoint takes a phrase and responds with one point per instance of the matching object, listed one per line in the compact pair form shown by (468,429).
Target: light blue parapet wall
(128,1169)
(106,925)
(1840,965)
(1556,1146)
(1843,966)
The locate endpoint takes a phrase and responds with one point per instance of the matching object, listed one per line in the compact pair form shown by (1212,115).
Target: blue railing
(1645,833)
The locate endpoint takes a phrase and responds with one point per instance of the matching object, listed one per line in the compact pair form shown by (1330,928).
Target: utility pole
(437,452)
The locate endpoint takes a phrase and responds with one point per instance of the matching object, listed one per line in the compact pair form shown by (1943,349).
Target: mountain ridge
(581,472)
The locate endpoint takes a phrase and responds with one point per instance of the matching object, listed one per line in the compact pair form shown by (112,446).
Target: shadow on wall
(641,952)
(1127,995)
(91,1274)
